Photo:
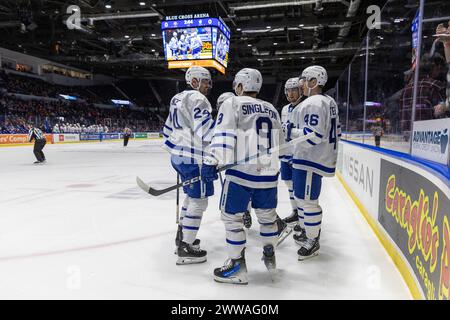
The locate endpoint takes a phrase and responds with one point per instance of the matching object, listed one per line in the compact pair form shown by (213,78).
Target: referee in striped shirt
(39,143)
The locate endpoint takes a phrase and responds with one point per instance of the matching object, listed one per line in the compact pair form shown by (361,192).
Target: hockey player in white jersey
(245,126)
(183,47)
(294,94)
(247,218)
(223,97)
(173,45)
(187,132)
(314,158)
(196,45)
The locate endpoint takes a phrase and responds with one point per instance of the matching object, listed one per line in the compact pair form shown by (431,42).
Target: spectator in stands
(442,110)
(430,92)
(78,116)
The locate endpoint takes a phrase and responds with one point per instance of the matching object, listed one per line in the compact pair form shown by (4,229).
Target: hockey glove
(209,170)
(209,173)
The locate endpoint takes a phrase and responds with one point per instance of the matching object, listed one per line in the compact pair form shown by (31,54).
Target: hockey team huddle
(251,139)
(189,43)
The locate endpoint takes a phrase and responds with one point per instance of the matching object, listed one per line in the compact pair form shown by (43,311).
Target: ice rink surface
(78,227)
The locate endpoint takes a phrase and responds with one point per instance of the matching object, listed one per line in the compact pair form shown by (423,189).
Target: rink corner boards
(405,201)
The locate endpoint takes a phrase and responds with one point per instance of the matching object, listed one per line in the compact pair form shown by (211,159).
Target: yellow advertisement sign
(184,64)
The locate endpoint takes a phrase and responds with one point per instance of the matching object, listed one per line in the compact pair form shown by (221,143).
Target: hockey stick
(155,192)
(178,200)
(221,179)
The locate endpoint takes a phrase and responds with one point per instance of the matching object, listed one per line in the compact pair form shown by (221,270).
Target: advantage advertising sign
(430,140)
(415,213)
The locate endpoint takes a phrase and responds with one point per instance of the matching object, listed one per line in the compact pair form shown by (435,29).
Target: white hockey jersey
(285,121)
(196,42)
(173,44)
(245,127)
(189,126)
(183,45)
(318,114)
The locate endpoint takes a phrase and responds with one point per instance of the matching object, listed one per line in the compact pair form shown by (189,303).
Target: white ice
(78,227)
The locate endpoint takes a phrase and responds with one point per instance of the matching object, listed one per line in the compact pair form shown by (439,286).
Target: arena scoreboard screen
(196,40)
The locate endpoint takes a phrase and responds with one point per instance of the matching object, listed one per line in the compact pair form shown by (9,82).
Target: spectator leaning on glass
(442,110)
(430,92)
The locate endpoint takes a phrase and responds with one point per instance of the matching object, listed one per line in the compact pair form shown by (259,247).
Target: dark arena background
(86,88)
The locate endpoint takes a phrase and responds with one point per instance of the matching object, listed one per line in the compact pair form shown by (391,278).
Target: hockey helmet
(291,83)
(315,72)
(198,73)
(250,79)
(224,96)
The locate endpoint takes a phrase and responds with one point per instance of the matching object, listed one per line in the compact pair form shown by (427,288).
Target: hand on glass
(440,29)
(439,110)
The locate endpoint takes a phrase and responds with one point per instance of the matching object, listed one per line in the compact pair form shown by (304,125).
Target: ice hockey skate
(179,237)
(309,249)
(269,260)
(189,254)
(247,220)
(283,230)
(292,220)
(233,271)
(299,235)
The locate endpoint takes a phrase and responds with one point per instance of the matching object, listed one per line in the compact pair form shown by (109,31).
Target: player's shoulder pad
(241,99)
(269,105)
(196,96)
(285,108)
(316,98)
(266,103)
(316,101)
(228,103)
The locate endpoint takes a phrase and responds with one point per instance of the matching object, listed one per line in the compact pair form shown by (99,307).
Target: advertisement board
(20,139)
(430,140)
(414,212)
(89,136)
(153,135)
(65,137)
(71,137)
(360,169)
(140,135)
(98,136)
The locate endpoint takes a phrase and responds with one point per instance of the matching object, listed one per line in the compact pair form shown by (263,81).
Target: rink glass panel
(342,98)
(433,64)
(390,75)
(355,125)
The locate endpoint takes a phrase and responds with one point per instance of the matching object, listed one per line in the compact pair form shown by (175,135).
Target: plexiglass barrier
(380,94)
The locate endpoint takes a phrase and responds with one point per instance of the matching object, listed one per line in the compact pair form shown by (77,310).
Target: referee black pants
(125,140)
(38,146)
(377,140)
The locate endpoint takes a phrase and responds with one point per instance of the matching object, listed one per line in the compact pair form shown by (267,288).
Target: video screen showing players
(222,47)
(188,43)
